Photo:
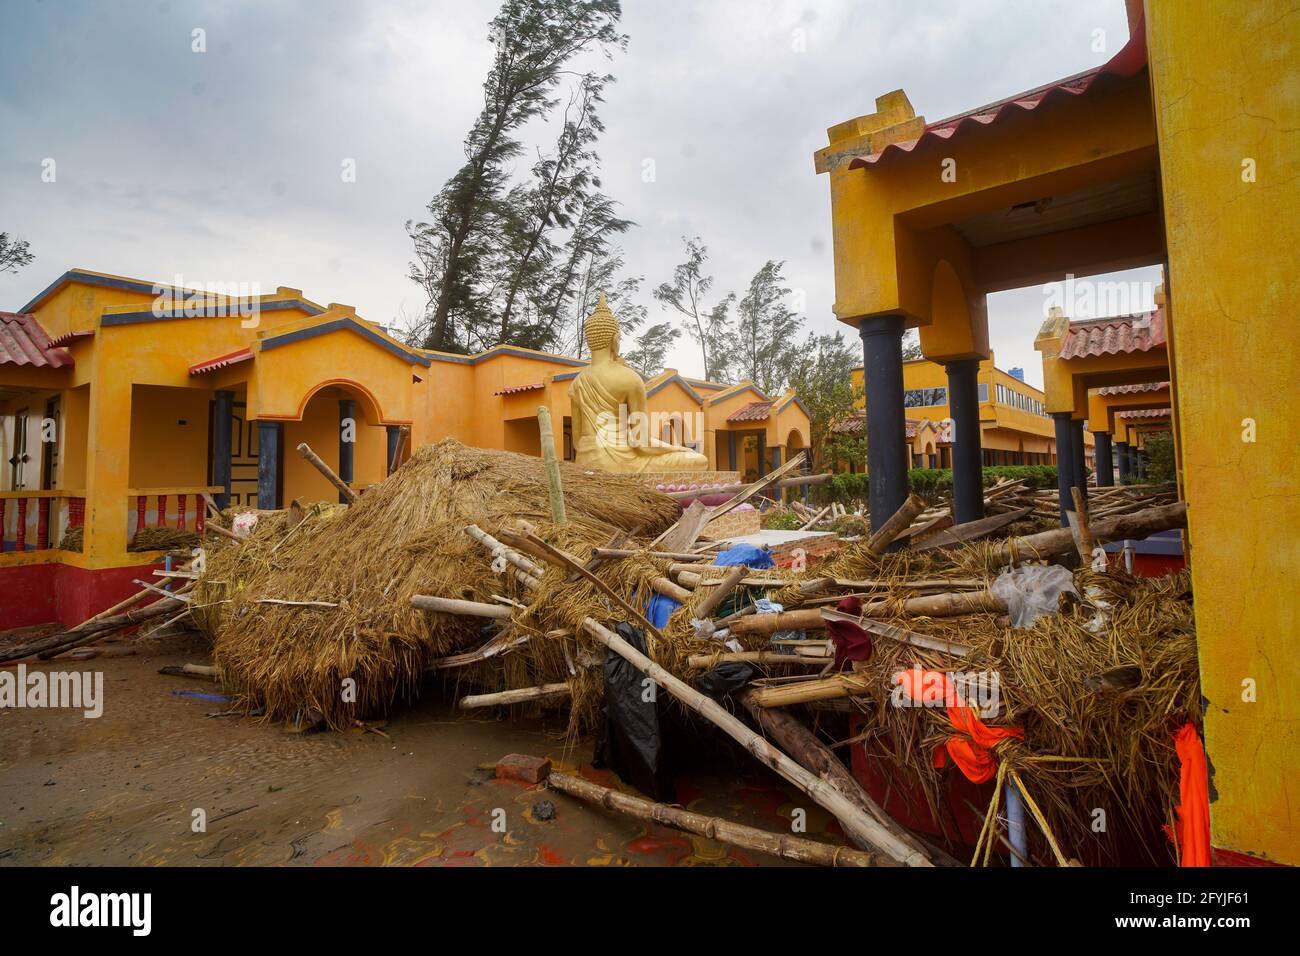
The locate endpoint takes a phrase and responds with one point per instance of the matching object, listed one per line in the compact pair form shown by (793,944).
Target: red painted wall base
(47,593)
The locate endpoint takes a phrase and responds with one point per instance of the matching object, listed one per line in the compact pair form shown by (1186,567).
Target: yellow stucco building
(1180,152)
(123,402)
(1015,428)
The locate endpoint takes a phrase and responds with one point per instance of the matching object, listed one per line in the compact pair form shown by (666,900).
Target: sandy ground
(122,789)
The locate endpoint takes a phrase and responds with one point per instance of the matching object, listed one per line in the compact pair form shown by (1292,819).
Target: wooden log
(521,696)
(223,532)
(814,519)
(822,479)
(441,605)
(926,527)
(720,593)
(900,634)
(1078,519)
(815,757)
(1061,540)
(852,818)
(971,530)
(203,671)
(500,550)
(806,691)
(47,647)
(896,524)
(785,846)
(314,459)
(693,579)
(950,604)
(553,486)
(668,589)
(703,661)
(686,556)
(502,642)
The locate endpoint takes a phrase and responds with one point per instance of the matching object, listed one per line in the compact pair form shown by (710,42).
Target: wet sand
(122,789)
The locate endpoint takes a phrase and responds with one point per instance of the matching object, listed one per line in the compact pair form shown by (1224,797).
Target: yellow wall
(1232,274)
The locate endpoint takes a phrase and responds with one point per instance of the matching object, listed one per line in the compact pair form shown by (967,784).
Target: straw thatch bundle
(163,539)
(345,577)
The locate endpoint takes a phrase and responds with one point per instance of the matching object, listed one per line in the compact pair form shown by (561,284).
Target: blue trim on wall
(747,388)
(135,318)
(347,322)
(797,401)
(505,350)
(104,282)
(565,376)
(681,381)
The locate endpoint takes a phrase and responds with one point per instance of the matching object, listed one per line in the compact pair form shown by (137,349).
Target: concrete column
(347,443)
(731,451)
(882,365)
(268,464)
(1121,458)
(967,475)
(1105,460)
(222,415)
(1064,463)
(394,439)
(762,454)
(1079,458)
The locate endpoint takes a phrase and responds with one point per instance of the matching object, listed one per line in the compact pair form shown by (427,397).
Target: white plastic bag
(1033,590)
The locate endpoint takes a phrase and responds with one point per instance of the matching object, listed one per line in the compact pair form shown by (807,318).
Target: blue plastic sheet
(748,554)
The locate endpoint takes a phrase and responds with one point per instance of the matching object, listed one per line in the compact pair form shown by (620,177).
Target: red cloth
(1193,811)
(852,643)
(971,748)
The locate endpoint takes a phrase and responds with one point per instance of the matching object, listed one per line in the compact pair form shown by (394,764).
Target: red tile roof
(856,423)
(221,361)
(24,342)
(1132,389)
(513,389)
(1110,336)
(1145,413)
(753,412)
(1125,63)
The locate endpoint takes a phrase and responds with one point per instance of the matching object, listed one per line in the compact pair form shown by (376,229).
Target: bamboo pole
(705,661)
(728,584)
(851,817)
(950,604)
(668,589)
(83,634)
(1078,519)
(796,482)
(314,459)
(897,523)
(498,549)
(520,696)
(663,555)
(807,691)
(814,519)
(785,846)
(441,605)
(554,487)
(575,565)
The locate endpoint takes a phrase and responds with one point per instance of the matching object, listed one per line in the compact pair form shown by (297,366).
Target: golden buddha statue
(612,430)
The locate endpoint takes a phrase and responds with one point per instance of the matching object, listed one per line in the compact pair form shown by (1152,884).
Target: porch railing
(180,507)
(37,520)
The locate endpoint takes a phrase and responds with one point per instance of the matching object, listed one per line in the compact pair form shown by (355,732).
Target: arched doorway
(334,413)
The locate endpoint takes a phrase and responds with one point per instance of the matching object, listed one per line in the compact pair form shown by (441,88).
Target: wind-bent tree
(14,253)
(650,353)
(821,372)
(685,293)
(766,327)
(458,246)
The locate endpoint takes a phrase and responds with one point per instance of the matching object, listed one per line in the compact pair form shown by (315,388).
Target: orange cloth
(971,748)
(1193,811)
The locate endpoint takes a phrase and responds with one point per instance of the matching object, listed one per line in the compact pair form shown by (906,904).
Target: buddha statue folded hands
(611,430)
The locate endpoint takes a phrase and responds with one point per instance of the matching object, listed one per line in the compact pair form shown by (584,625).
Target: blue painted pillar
(967,473)
(394,440)
(882,366)
(1064,463)
(731,451)
(1105,460)
(268,464)
(347,443)
(1121,453)
(223,411)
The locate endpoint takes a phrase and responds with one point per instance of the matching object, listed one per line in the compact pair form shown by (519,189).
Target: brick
(522,767)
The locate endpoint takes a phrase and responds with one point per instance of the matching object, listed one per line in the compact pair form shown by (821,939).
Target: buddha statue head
(601,330)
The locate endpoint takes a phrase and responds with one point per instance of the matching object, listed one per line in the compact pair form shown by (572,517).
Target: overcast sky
(225,165)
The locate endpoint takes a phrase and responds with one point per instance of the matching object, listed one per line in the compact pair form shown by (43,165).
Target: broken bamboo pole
(949,604)
(1078,519)
(785,846)
(56,643)
(520,696)
(720,593)
(851,817)
(784,483)
(441,605)
(896,524)
(554,489)
(705,661)
(314,460)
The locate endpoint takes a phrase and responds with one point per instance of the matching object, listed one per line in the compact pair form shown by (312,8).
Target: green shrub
(931,482)
(782,520)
